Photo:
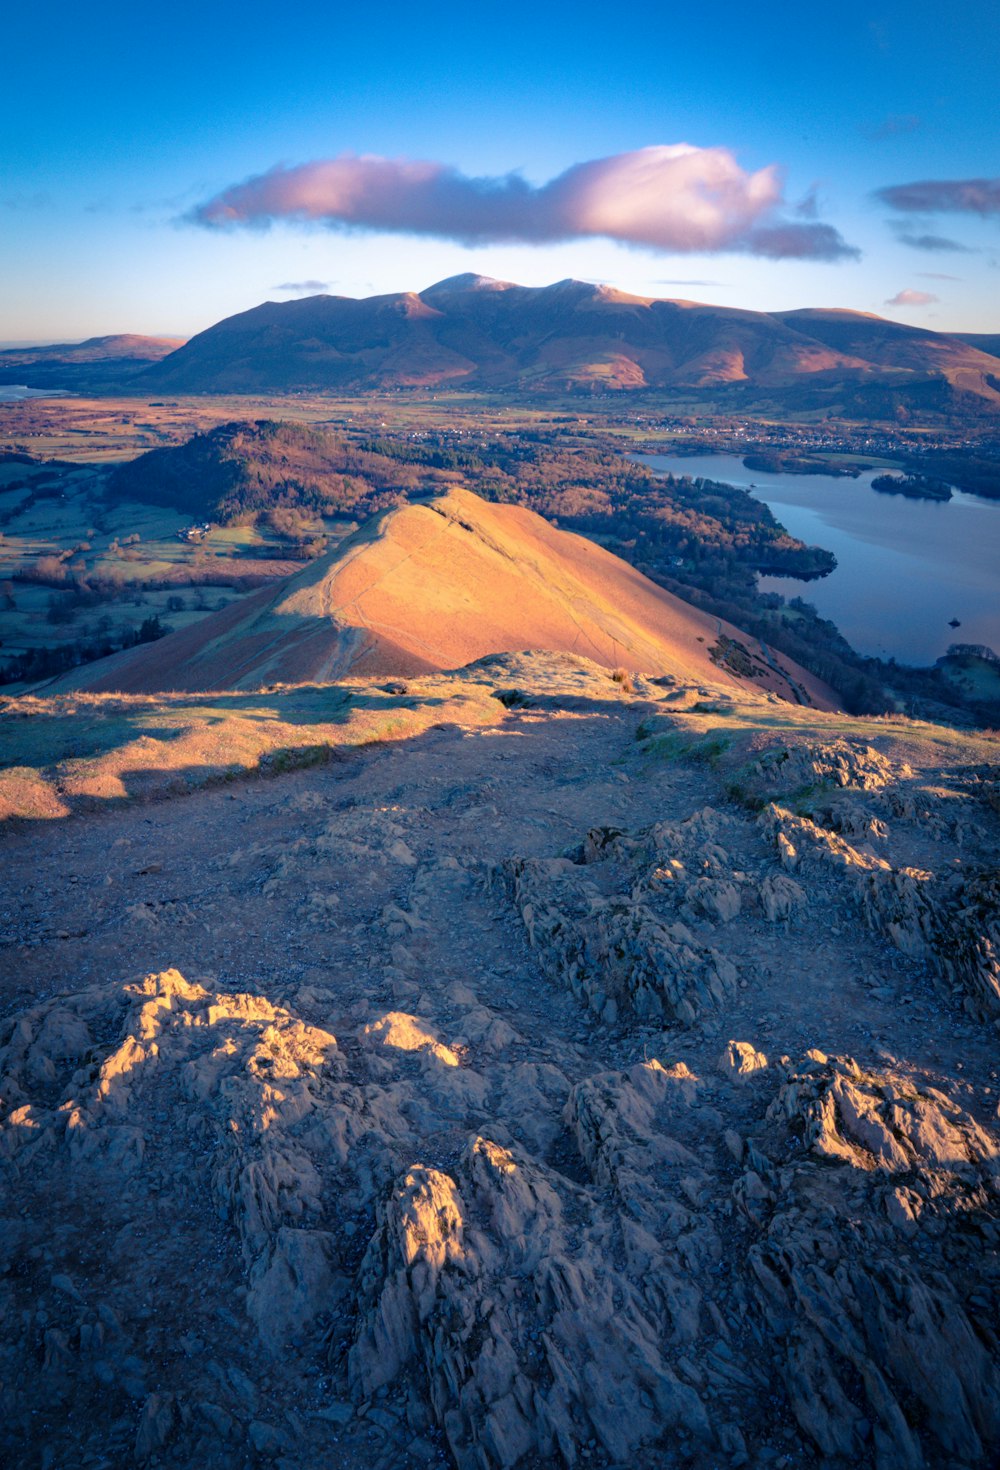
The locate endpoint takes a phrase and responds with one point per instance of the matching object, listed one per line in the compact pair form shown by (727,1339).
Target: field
(108,430)
(56,526)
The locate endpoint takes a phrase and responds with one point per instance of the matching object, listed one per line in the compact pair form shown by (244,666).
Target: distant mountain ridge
(573,336)
(97,362)
(988,342)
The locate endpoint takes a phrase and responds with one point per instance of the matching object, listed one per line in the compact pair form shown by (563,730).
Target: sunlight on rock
(406,1033)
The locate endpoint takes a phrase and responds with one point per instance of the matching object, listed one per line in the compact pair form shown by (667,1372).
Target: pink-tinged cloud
(912,298)
(302,286)
(944,196)
(676,198)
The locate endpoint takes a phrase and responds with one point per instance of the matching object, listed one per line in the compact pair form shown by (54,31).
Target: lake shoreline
(906,568)
(20,393)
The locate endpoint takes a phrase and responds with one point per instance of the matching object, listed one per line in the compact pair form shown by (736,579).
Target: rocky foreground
(613,1085)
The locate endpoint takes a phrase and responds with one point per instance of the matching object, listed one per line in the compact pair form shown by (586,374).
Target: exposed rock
(796,837)
(780,897)
(615,955)
(267,1440)
(789,770)
(882,1122)
(950,922)
(249,1072)
(970,952)
(497,1287)
(156,1424)
(405,1033)
(740,1060)
(842,1286)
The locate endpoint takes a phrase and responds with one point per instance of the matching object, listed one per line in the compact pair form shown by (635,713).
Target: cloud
(672,281)
(912,298)
(932,242)
(303,286)
(944,196)
(39,200)
(896,125)
(937,276)
(671,198)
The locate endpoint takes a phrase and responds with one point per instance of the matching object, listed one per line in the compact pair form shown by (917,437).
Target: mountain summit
(434,585)
(467,281)
(577,336)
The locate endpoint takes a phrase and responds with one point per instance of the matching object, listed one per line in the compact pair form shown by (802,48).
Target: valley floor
(503,1096)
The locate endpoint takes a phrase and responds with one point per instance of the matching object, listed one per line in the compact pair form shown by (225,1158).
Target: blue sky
(127,136)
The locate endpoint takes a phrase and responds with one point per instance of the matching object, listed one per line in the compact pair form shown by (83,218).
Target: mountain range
(472,332)
(574,336)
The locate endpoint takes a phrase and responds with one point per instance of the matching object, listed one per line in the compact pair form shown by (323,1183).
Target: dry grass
(65,753)
(70,752)
(732,736)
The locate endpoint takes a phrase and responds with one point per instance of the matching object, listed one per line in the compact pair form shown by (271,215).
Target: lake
(17,392)
(905,568)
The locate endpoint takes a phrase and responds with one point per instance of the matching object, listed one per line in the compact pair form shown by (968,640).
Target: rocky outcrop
(902,905)
(615,954)
(970,948)
(841,1272)
(797,837)
(948,920)
(257,1087)
(788,769)
(497,1284)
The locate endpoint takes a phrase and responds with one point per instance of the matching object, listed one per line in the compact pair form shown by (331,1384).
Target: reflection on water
(905,568)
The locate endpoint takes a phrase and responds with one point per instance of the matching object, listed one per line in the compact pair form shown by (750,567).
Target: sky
(164,167)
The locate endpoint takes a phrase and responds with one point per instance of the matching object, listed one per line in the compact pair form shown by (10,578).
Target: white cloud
(675,198)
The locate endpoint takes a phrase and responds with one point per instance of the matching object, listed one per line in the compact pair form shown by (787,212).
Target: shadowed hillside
(240,470)
(988,342)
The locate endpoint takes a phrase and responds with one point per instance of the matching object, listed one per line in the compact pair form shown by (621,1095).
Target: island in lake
(914,487)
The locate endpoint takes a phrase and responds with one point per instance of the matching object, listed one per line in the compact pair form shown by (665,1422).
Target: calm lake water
(17,392)
(904,567)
